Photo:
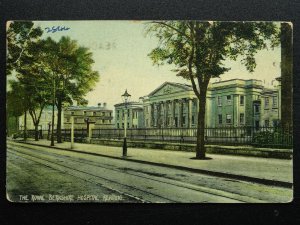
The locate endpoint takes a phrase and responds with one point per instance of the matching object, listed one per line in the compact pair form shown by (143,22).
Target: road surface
(44,174)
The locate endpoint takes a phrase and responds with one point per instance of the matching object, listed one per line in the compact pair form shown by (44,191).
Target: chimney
(104,104)
(99,104)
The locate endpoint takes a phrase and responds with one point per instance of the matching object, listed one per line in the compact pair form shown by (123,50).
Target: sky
(120,50)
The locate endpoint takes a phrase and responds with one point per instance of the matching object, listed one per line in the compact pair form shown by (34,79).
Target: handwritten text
(56,29)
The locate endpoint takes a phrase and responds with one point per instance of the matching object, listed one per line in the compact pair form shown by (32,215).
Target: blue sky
(120,51)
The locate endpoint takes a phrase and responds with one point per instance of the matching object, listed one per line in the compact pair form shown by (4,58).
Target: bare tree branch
(171,27)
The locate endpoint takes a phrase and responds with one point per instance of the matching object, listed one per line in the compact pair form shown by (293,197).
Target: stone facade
(234,102)
(231,102)
(98,116)
(270,114)
(135,116)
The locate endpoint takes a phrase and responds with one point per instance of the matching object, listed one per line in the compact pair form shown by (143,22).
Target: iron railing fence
(246,135)
(80,135)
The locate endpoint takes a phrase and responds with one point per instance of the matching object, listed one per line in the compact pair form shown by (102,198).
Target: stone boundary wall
(213,149)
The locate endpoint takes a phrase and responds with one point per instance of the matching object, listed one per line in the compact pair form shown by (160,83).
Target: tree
(198,51)
(34,83)
(19,35)
(286,76)
(71,69)
(16,103)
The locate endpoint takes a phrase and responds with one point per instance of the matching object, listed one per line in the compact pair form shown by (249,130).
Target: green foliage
(45,67)
(263,137)
(208,44)
(71,67)
(15,100)
(275,137)
(19,35)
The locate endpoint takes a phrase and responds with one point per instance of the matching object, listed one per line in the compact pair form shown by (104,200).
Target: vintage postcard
(149,112)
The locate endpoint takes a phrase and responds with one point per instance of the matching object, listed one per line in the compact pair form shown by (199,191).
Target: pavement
(277,172)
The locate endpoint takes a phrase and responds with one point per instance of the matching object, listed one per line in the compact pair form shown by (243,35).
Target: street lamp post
(126,98)
(49,125)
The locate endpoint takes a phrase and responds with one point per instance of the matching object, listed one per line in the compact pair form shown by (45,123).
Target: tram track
(76,173)
(63,162)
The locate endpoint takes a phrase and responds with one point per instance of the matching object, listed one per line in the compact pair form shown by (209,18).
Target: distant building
(98,116)
(45,120)
(134,115)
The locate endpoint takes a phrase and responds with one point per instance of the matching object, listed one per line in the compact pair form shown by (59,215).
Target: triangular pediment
(169,88)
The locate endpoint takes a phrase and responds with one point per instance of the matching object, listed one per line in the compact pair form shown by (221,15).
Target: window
(103,121)
(274,101)
(242,99)
(256,125)
(183,120)
(228,118)
(267,123)
(110,114)
(267,102)
(128,125)
(193,119)
(123,125)
(103,113)
(72,113)
(219,100)
(220,118)
(228,99)
(242,118)
(256,108)
(84,112)
(118,125)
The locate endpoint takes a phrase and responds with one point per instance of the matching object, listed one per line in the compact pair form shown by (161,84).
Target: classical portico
(170,105)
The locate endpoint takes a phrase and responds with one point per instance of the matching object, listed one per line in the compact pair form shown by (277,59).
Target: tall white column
(179,112)
(173,113)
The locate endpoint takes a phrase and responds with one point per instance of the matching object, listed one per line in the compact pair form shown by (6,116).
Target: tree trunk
(25,125)
(36,132)
(58,130)
(200,147)
(16,128)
